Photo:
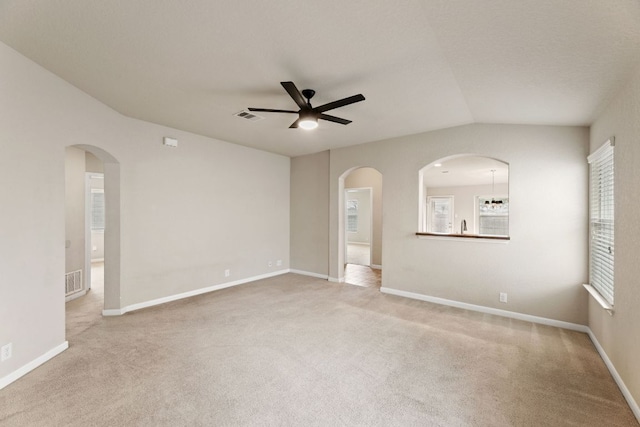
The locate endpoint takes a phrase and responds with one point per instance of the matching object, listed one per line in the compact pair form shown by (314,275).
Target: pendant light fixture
(493,204)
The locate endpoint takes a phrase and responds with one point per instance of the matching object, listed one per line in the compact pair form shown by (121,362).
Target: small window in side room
(97,209)
(352,216)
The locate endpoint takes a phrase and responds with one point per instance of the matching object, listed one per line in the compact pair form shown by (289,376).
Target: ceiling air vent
(244,114)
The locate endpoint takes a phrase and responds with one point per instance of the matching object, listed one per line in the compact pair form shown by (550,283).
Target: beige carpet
(293,350)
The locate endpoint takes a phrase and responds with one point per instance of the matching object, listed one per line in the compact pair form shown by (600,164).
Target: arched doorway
(360,227)
(78,246)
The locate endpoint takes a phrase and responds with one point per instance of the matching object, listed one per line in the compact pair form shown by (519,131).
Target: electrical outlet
(5,352)
(270,263)
(279,263)
(227,273)
(503,297)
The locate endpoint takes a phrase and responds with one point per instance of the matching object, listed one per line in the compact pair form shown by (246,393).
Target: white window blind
(97,209)
(601,220)
(352,216)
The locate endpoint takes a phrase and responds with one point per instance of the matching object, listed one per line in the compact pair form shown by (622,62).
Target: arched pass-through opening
(360,226)
(111,170)
(464,196)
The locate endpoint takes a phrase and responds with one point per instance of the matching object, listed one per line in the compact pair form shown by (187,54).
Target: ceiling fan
(307,115)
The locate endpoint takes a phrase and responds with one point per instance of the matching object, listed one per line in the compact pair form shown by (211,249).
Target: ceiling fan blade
(269,110)
(294,125)
(339,103)
(334,119)
(294,93)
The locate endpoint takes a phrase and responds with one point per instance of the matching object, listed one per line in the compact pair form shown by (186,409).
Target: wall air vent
(245,114)
(73,282)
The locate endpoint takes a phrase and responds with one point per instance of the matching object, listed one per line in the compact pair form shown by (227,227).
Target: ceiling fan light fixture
(308,123)
(307,115)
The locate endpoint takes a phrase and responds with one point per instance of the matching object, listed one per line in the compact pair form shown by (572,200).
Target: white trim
(309,273)
(376,266)
(616,377)
(158,301)
(25,369)
(76,295)
(488,310)
(599,298)
(336,280)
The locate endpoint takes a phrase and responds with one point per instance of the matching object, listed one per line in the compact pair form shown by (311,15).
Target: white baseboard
(488,310)
(76,295)
(151,303)
(616,377)
(308,273)
(534,319)
(376,266)
(20,372)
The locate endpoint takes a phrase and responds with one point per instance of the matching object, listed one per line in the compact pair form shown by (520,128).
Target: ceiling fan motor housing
(308,93)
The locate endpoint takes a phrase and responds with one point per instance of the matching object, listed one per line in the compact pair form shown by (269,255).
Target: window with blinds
(97,209)
(601,220)
(352,216)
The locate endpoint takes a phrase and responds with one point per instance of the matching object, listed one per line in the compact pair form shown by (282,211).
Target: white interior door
(440,214)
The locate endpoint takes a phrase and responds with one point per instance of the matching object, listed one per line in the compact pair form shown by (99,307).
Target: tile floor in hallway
(358,253)
(362,275)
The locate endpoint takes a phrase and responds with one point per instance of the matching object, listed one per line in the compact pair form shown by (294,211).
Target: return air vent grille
(248,115)
(73,282)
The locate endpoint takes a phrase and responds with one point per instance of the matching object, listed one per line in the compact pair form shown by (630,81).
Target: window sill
(466,237)
(603,302)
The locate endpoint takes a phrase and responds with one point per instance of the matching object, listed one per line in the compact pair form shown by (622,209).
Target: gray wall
(619,334)
(185,214)
(369,177)
(544,264)
(310,213)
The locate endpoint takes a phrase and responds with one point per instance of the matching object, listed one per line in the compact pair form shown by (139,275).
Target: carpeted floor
(294,350)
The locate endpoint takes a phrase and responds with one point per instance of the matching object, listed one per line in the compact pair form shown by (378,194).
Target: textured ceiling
(421,64)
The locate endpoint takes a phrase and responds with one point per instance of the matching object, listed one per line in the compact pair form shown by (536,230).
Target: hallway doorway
(359,225)
(361,234)
(92,228)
